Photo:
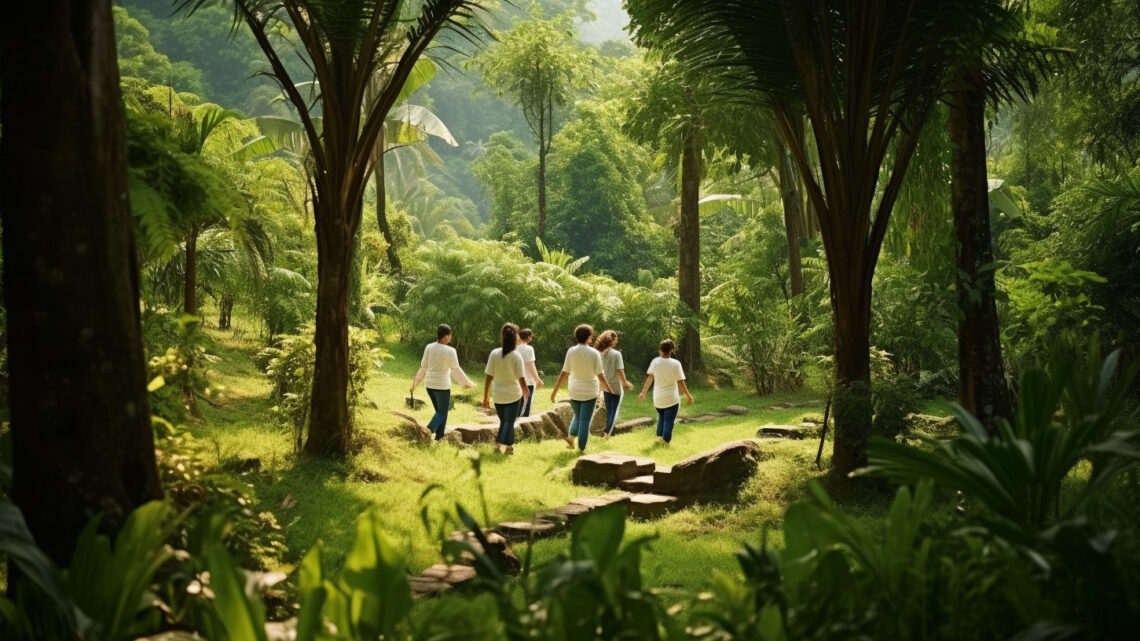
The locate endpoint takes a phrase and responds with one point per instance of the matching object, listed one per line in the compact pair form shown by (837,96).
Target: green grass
(320,500)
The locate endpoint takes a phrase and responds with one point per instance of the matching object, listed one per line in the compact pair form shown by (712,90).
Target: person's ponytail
(510,336)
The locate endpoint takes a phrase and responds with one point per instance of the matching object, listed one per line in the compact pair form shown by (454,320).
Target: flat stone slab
(440,578)
(595,502)
(737,410)
(473,434)
(633,423)
(572,511)
(721,470)
(609,468)
(497,549)
(789,405)
(651,506)
(785,431)
(703,418)
(642,483)
(524,530)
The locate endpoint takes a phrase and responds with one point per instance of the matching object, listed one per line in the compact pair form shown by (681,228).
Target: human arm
(624,383)
(419,377)
(645,388)
(558,384)
(533,371)
(461,377)
(606,384)
(685,390)
(487,390)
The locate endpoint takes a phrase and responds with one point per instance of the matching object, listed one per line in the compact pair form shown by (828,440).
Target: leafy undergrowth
(320,500)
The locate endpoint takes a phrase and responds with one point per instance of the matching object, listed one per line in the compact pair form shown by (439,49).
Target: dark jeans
(441,401)
(527,401)
(613,402)
(665,419)
(580,425)
(507,414)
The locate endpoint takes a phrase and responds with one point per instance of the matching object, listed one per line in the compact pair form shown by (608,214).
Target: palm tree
(867,75)
(345,43)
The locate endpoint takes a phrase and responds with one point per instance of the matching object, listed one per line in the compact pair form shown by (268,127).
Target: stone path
(647,489)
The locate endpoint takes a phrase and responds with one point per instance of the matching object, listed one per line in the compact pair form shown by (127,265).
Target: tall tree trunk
(82,437)
(851,399)
(382,206)
(981,375)
(542,151)
(330,427)
(689,246)
(793,216)
(190,288)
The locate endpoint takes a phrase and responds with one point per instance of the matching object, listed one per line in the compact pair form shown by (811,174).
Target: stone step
(651,506)
(737,410)
(440,578)
(609,469)
(526,530)
(642,484)
(703,418)
(497,549)
(722,470)
(594,502)
(633,423)
(568,512)
(785,431)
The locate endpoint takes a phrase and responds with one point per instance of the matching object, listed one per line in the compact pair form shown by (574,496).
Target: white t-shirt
(506,372)
(527,353)
(583,363)
(439,360)
(666,372)
(611,363)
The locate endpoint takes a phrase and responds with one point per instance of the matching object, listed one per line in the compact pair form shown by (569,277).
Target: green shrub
(289,364)
(177,374)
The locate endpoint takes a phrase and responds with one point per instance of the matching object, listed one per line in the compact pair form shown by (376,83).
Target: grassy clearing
(320,501)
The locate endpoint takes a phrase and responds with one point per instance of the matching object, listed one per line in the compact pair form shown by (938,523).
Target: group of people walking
(590,368)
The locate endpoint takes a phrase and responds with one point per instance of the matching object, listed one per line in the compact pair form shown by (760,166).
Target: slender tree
(344,42)
(538,64)
(81,430)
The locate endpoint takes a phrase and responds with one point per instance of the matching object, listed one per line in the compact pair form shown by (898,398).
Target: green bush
(289,364)
(177,373)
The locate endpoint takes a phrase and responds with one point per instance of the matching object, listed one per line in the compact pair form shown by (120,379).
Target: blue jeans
(507,412)
(613,402)
(665,419)
(441,401)
(580,425)
(527,401)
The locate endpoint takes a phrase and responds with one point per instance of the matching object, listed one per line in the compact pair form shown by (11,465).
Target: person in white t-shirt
(613,366)
(667,377)
(505,370)
(583,368)
(438,368)
(530,372)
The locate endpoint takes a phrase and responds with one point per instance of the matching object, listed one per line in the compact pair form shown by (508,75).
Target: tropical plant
(345,44)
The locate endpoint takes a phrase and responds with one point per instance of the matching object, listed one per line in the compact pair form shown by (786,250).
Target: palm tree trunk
(190,288)
(981,375)
(689,246)
(851,398)
(81,427)
(793,216)
(330,427)
(542,149)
